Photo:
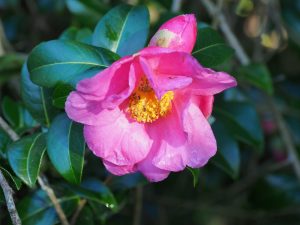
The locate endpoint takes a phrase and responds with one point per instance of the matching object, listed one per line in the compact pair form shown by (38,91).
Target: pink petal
(178,33)
(119,170)
(205,104)
(150,171)
(88,112)
(105,91)
(201,141)
(121,142)
(168,135)
(209,82)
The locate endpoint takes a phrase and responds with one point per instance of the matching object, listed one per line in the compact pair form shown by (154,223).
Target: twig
(81,204)
(244,60)
(14,136)
(176,5)
(231,38)
(138,205)
(11,207)
(54,200)
(11,133)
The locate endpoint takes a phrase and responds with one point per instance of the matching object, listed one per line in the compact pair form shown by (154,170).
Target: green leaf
(36,99)
(60,95)
(228,155)
(258,75)
(11,111)
(275,192)
(54,62)
(65,147)
(123,30)
(4,141)
(37,209)
(25,157)
(195,172)
(86,216)
(16,115)
(210,48)
(10,64)
(75,34)
(242,120)
(96,191)
(15,180)
(87,12)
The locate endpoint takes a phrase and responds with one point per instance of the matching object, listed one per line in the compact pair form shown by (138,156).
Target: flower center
(145,107)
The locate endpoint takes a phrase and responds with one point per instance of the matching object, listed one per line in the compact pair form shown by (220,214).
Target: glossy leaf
(87,12)
(86,216)
(4,141)
(96,191)
(65,147)
(123,30)
(275,192)
(54,62)
(25,157)
(10,64)
(210,48)
(11,111)
(37,209)
(242,120)
(60,95)
(17,183)
(258,75)
(228,154)
(74,34)
(36,99)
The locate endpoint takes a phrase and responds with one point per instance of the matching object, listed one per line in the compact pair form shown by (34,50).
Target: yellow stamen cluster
(145,107)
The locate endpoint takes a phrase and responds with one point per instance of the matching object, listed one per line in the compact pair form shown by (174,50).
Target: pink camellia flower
(148,112)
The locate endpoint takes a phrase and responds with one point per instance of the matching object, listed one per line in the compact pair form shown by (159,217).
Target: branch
(78,210)
(54,200)
(176,5)
(11,207)
(14,136)
(231,38)
(138,205)
(245,60)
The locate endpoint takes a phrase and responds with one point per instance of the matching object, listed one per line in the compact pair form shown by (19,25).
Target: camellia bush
(149,112)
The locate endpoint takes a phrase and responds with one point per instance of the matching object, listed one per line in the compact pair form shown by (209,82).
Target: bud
(178,33)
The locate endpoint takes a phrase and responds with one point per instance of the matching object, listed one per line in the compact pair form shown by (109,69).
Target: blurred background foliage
(252,179)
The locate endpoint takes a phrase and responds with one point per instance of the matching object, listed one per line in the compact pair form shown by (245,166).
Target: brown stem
(11,207)
(54,201)
(244,60)
(81,205)
(138,205)
(14,136)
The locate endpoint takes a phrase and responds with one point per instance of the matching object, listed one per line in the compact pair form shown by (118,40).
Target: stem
(78,210)
(14,136)
(245,60)
(176,5)
(54,200)
(11,207)
(138,205)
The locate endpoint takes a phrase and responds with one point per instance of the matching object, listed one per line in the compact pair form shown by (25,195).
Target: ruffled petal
(102,93)
(205,104)
(149,170)
(201,144)
(167,70)
(119,170)
(171,141)
(121,142)
(89,112)
(178,33)
(208,82)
